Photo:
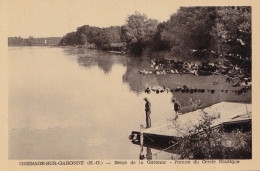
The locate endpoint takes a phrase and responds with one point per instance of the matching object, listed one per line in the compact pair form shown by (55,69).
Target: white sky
(44,18)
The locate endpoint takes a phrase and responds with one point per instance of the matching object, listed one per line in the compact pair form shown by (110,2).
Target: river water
(68,103)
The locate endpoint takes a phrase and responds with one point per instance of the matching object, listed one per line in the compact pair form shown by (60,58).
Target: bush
(202,142)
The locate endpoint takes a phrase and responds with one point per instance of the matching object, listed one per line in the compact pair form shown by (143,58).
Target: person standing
(148,112)
(177,107)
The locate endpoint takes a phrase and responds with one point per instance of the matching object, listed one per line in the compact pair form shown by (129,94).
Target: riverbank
(31,41)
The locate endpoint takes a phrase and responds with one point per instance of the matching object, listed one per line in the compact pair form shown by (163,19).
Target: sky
(48,18)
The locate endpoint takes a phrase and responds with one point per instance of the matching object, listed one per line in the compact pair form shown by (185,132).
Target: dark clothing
(176,107)
(148,112)
(148,106)
(148,119)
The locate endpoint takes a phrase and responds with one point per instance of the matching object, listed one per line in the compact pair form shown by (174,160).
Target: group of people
(176,104)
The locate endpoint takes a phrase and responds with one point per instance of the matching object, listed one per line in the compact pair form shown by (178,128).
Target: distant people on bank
(177,107)
(148,112)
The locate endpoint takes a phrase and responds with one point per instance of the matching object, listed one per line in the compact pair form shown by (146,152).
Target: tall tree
(232,32)
(138,30)
(189,29)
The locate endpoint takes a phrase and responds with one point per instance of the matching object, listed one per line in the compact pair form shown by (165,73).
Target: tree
(101,37)
(30,41)
(107,36)
(158,43)
(81,38)
(189,29)
(232,32)
(16,41)
(69,39)
(89,31)
(138,30)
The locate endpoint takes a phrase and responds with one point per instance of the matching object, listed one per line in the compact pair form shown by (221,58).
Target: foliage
(233,31)
(107,36)
(158,43)
(189,29)
(69,39)
(16,41)
(137,31)
(198,32)
(31,41)
(101,37)
(209,31)
(202,142)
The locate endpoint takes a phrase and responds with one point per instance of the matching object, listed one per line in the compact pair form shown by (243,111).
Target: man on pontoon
(177,107)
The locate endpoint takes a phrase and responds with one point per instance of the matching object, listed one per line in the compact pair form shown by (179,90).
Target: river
(69,103)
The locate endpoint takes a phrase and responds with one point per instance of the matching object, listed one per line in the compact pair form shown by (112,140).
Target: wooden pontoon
(227,116)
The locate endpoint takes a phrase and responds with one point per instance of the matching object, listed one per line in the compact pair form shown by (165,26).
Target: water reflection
(148,155)
(138,82)
(103,60)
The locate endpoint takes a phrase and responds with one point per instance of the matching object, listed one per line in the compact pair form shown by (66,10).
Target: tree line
(101,38)
(31,41)
(198,32)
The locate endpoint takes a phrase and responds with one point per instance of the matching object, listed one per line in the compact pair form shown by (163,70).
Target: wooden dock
(227,116)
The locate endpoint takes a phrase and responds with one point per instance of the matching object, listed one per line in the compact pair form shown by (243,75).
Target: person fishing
(177,107)
(148,112)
